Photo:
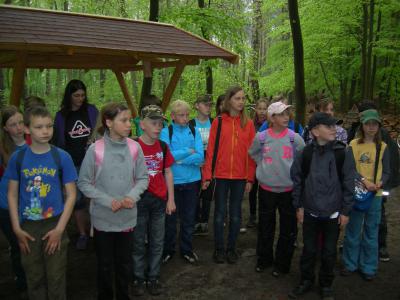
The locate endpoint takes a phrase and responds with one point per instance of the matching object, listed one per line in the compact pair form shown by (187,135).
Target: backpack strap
(170,133)
(99,152)
(291,139)
(192,129)
(133,148)
(216,145)
(57,159)
(192,122)
(377,156)
(164,152)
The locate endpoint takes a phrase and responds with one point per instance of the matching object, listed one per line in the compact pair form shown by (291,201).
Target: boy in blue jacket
(186,147)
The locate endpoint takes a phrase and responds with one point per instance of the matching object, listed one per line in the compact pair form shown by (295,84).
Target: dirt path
(210,281)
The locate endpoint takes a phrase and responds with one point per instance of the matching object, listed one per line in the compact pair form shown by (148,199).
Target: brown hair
(259,101)
(32,101)
(7,145)
(323,104)
(230,92)
(377,137)
(220,99)
(108,112)
(35,111)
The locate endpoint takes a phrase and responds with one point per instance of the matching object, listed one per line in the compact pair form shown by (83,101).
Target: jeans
(186,197)
(151,220)
(360,249)
(383,229)
(269,202)
(312,229)
(15,254)
(45,274)
(203,206)
(236,188)
(114,255)
(253,198)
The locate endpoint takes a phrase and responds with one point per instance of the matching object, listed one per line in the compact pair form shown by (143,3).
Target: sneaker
(252,222)
(81,243)
(327,293)
(243,230)
(167,257)
(276,273)
(232,257)
(138,288)
(260,267)
(154,287)
(219,257)
(384,255)
(191,258)
(304,287)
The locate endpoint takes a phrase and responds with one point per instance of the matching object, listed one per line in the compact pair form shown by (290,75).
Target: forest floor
(210,281)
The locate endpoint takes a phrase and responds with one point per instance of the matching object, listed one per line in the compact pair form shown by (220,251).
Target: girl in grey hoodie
(113,175)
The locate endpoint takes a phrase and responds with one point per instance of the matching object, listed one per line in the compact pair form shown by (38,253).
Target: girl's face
(282,119)
(261,111)
(237,102)
(329,110)
(77,99)
(120,127)
(204,108)
(15,126)
(370,128)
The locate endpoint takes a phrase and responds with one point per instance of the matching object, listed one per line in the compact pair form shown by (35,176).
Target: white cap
(277,108)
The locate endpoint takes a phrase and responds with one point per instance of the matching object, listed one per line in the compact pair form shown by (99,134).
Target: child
(202,122)
(360,249)
(187,149)
(74,124)
(234,170)
(41,197)
(323,185)
(11,139)
(157,201)
(113,175)
(274,150)
(259,118)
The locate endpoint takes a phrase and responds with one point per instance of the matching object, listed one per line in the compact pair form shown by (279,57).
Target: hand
(115,205)
(53,238)
(343,220)
(23,241)
(248,187)
(369,185)
(171,208)
(205,184)
(300,215)
(379,185)
(127,203)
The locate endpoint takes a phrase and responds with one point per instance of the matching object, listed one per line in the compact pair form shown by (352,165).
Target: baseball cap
(321,118)
(152,112)
(204,99)
(277,108)
(370,114)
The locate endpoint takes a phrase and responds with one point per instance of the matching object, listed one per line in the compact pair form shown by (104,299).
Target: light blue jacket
(186,168)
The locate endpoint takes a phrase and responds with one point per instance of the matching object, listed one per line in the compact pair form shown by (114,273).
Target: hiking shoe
(81,243)
(304,287)
(191,258)
(167,257)
(154,287)
(219,257)
(252,222)
(138,288)
(232,257)
(384,255)
(201,230)
(327,293)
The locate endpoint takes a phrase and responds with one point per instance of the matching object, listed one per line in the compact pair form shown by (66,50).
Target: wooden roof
(56,39)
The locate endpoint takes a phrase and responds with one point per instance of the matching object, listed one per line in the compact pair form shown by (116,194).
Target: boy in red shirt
(155,203)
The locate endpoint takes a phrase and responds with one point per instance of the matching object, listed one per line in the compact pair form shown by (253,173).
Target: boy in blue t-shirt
(40,208)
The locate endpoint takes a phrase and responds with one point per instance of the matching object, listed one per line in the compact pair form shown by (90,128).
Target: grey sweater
(118,177)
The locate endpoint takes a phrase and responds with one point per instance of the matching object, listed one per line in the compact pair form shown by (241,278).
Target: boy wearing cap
(323,178)
(202,122)
(157,201)
(274,150)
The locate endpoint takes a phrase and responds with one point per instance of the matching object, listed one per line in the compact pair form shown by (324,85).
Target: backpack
(171,131)
(262,135)
(193,122)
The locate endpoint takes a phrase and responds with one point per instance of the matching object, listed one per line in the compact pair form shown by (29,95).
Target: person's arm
(178,154)
(251,165)
(169,180)
(197,157)
(385,168)
(141,177)
(348,174)
(299,144)
(255,150)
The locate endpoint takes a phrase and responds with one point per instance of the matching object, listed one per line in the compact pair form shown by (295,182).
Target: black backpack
(171,131)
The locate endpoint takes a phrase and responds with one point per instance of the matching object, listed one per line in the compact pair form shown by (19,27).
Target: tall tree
(205,34)
(256,49)
(298,60)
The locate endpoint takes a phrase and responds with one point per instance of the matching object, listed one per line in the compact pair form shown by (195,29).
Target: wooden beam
(18,77)
(169,91)
(127,96)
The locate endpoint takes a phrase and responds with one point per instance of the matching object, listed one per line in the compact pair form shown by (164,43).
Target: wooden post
(169,91)
(18,78)
(125,91)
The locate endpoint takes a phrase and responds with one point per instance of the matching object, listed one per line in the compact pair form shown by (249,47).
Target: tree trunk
(48,84)
(369,52)
(102,76)
(135,88)
(2,88)
(352,90)
(208,71)
(257,26)
(298,60)
(373,73)
(363,71)
(326,79)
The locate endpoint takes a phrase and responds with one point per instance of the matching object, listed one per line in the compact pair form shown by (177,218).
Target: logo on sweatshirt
(79,130)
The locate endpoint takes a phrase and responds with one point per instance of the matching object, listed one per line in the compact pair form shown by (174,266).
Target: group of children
(140,188)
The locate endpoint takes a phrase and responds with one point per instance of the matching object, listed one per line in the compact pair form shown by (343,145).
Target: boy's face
(40,129)
(180,117)
(329,110)
(151,127)
(324,133)
(204,108)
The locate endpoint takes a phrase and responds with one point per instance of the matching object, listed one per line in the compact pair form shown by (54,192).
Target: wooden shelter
(46,39)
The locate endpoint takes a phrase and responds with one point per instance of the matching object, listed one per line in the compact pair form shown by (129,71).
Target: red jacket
(233,160)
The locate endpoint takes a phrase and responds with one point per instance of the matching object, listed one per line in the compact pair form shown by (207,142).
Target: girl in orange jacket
(234,169)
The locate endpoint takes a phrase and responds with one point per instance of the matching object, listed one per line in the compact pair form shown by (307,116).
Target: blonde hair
(179,105)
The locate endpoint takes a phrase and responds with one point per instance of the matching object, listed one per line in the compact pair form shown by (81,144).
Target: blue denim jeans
(151,220)
(236,188)
(186,197)
(360,249)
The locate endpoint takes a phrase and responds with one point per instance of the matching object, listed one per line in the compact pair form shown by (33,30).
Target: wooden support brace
(169,91)
(125,91)
(18,78)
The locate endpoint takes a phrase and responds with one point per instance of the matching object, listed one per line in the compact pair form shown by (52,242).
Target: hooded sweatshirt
(118,177)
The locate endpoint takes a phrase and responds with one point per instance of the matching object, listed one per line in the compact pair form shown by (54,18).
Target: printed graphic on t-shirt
(154,163)
(79,130)
(365,158)
(205,134)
